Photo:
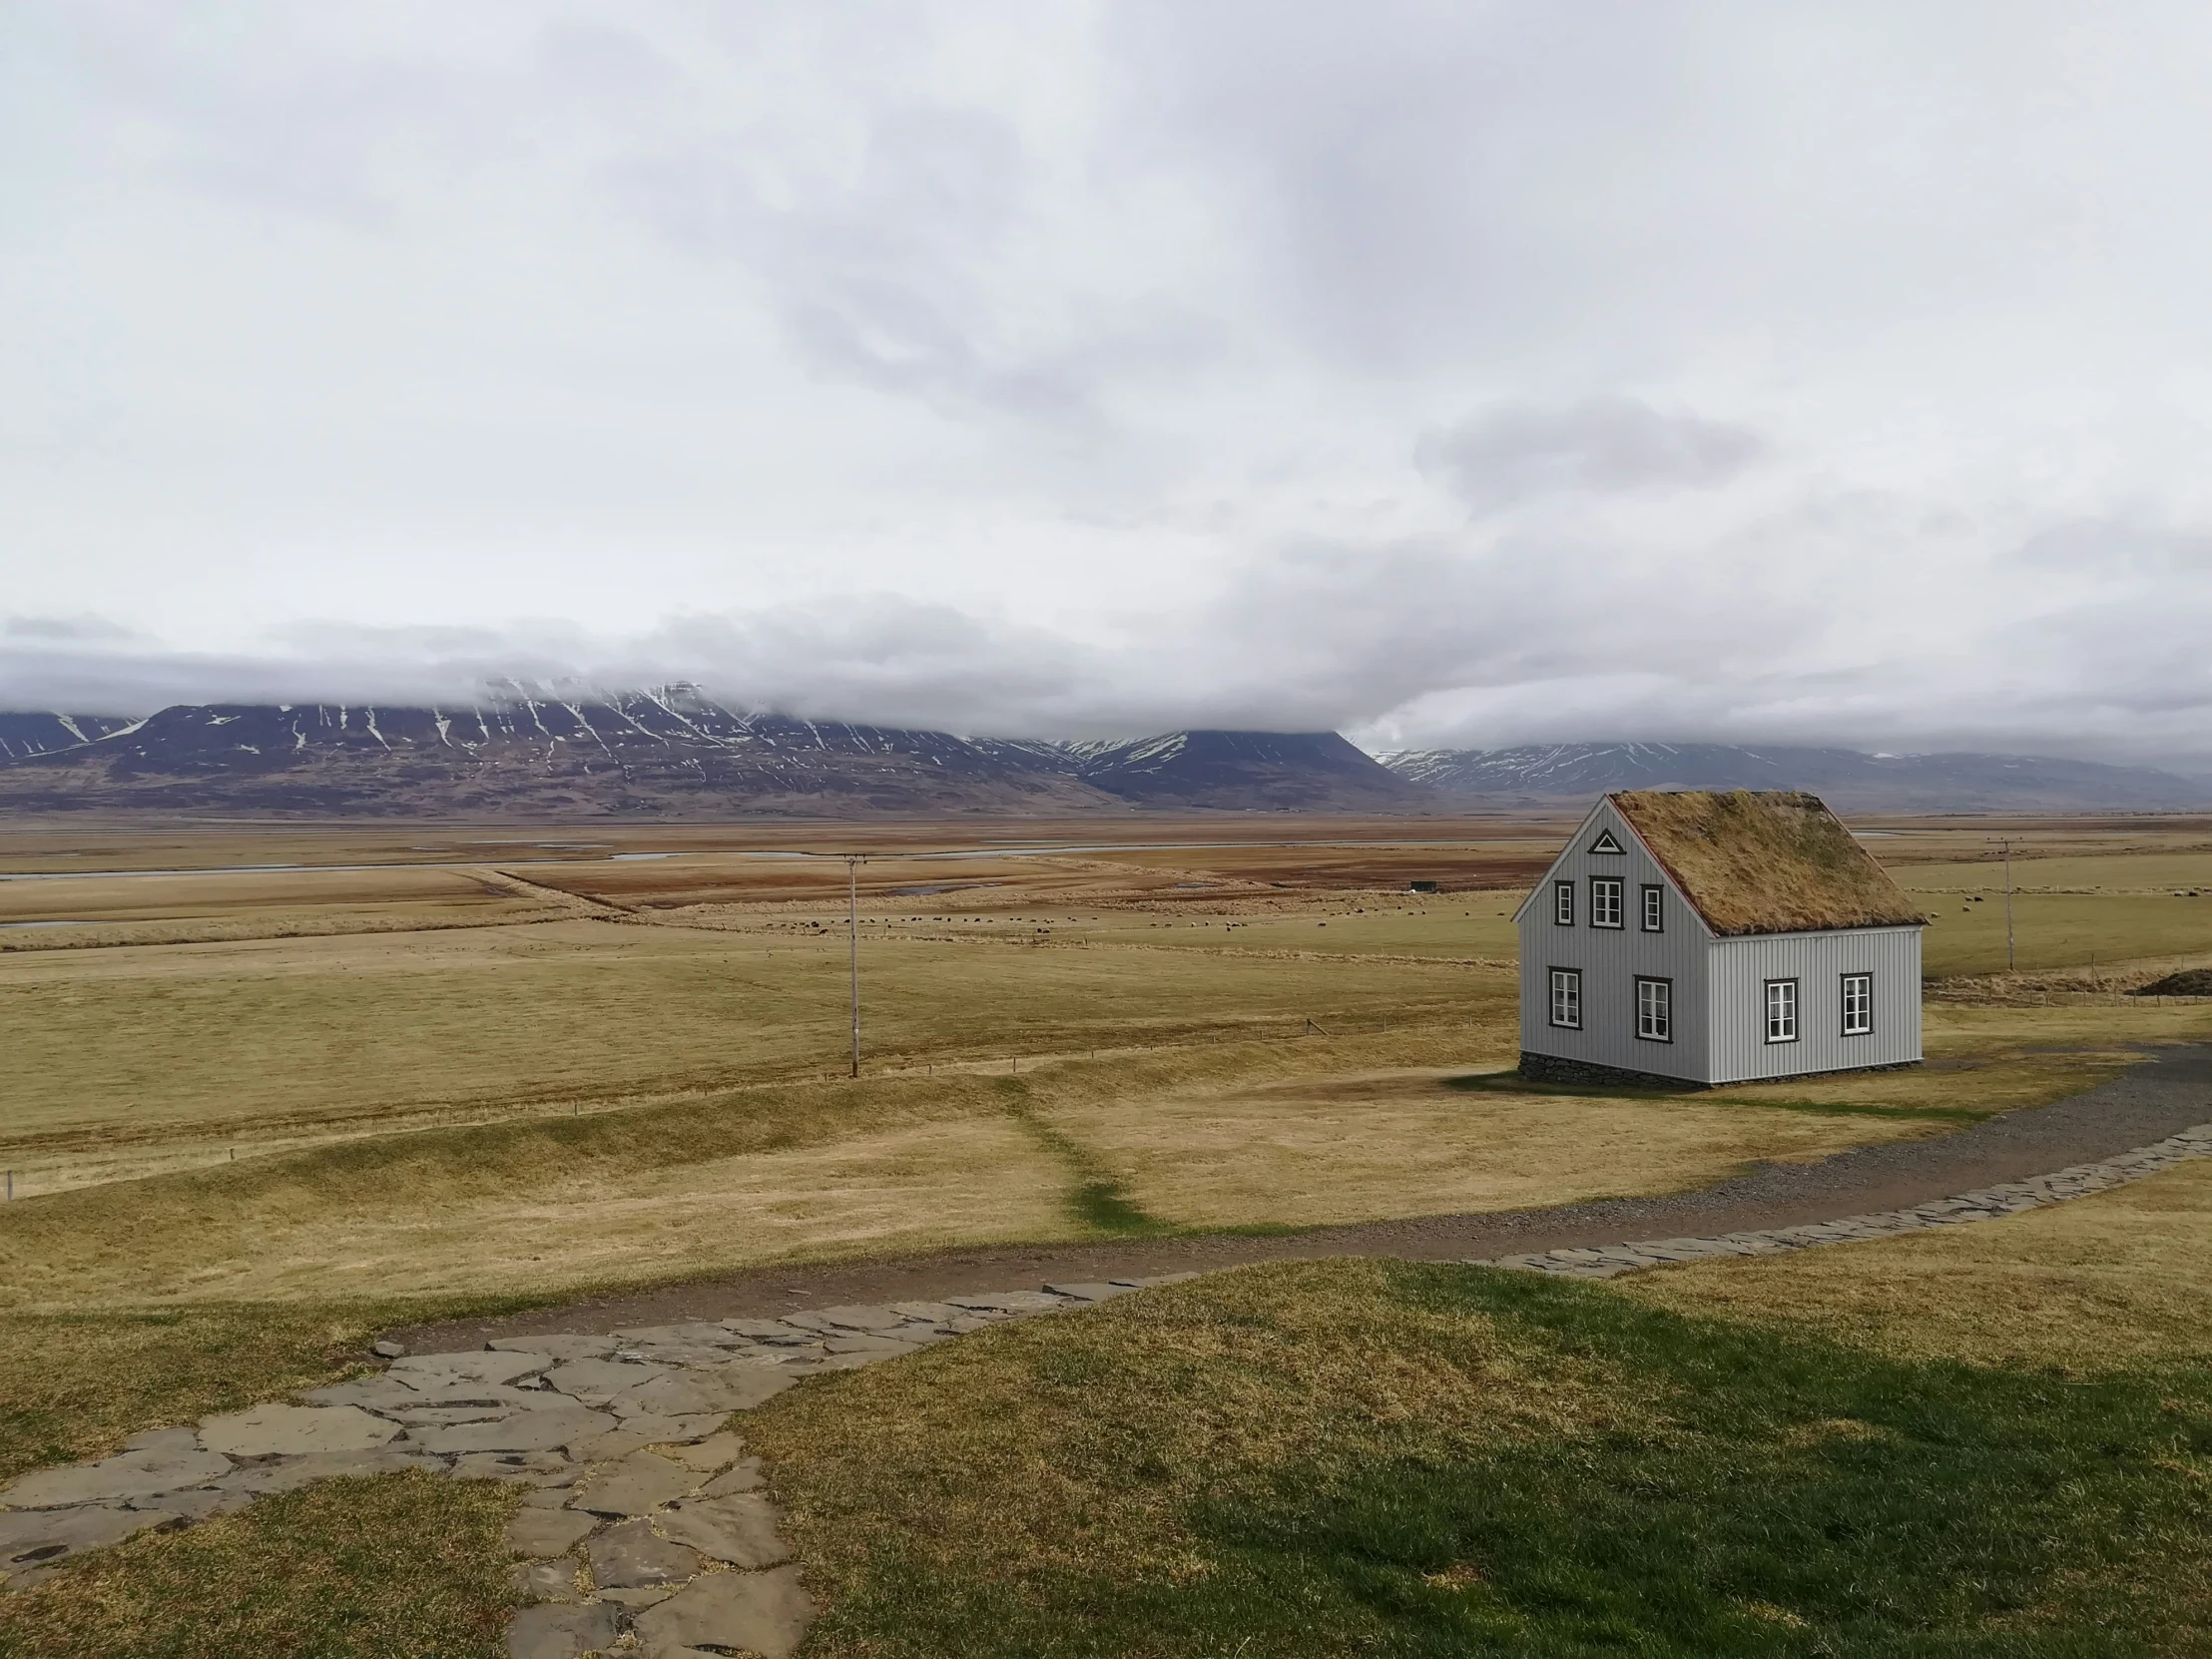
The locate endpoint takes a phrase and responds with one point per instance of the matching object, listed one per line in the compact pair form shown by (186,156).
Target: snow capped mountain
(1846,778)
(669,751)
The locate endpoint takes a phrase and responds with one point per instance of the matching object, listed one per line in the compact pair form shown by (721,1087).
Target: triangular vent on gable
(1606,843)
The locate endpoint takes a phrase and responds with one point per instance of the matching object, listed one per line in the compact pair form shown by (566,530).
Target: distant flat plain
(198,993)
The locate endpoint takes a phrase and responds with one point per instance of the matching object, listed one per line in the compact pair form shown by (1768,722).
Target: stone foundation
(1551,1068)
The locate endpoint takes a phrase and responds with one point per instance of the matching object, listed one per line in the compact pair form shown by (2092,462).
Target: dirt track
(2170,1091)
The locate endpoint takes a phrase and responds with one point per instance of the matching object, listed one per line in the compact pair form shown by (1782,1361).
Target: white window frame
(1782,1011)
(1654,907)
(1862,983)
(1562,903)
(1566,998)
(1654,1009)
(1607,898)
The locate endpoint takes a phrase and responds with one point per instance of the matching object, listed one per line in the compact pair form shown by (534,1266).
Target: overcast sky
(1449,373)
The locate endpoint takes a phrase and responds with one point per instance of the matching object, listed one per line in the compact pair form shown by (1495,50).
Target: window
(1858,1004)
(1782,1011)
(1605,902)
(1562,903)
(1655,1010)
(1655,916)
(1605,842)
(1566,998)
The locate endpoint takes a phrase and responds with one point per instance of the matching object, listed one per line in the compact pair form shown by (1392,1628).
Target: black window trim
(1843,1002)
(1551,1004)
(1620,909)
(1559,888)
(1796,1011)
(1637,1006)
(1599,848)
(1646,911)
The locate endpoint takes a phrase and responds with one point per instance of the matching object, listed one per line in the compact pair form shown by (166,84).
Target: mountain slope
(1846,778)
(44,733)
(669,753)
(1266,771)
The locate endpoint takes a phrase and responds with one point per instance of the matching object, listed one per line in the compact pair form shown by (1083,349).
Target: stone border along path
(2006,1199)
(644,1530)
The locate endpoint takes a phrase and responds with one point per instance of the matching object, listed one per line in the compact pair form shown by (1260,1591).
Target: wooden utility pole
(2007,845)
(852,863)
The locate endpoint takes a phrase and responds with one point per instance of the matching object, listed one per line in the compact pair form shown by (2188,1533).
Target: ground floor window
(1782,1011)
(1566,998)
(1858,1004)
(1655,1010)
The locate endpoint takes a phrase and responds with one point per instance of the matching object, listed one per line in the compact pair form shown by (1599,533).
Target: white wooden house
(1704,938)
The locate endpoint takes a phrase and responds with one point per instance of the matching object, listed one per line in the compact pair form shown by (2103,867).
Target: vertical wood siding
(1719,984)
(1818,961)
(1611,960)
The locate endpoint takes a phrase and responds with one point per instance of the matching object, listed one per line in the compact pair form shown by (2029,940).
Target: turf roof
(1765,860)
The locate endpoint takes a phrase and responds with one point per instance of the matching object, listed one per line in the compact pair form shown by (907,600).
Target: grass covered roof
(1765,860)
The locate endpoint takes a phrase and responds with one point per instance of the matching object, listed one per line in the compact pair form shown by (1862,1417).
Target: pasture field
(258,1115)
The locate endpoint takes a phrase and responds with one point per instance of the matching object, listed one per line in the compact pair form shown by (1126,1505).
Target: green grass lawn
(1389,1459)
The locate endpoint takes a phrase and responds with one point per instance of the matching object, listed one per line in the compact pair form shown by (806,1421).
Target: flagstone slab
(35,1539)
(657,1430)
(544,1471)
(739,1530)
(437,1371)
(273,1430)
(595,1381)
(547,1580)
(742,1612)
(535,1531)
(129,1475)
(714,1453)
(523,1431)
(636,1485)
(288,1474)
(630,1555)
(700,1333)
(744,1475)
(553,1631)
(567,1346)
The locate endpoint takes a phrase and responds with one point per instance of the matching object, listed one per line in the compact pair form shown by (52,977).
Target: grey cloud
(84,628)
(2119,547)
(1601,446)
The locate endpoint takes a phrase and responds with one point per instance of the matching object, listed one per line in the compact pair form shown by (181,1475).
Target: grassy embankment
(1845,1451)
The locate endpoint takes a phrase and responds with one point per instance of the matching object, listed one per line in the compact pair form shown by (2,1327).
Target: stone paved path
(644,1530)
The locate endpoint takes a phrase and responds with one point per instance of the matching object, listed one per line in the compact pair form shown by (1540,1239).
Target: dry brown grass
(1359,1148)
(2110,1283)
(344,1569)
(1765,860)
(1079,1444)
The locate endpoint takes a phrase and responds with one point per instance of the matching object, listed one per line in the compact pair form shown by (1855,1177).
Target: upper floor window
(1605,902)
(1782,1011)
(1562,903)
(1858,1004)
(1655,916)
(1606,843)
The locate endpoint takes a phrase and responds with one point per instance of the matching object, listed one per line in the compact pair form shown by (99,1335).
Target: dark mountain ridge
(1546,773)
(671,752)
